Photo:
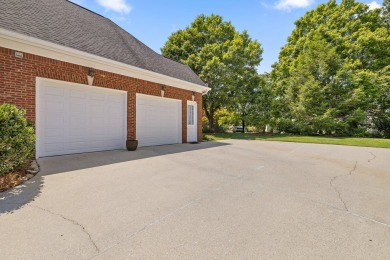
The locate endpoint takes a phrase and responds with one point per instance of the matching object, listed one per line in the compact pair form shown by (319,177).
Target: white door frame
(192,123)
(41,82)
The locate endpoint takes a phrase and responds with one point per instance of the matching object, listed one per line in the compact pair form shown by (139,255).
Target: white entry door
(76,118)
(158,120)
(192,115)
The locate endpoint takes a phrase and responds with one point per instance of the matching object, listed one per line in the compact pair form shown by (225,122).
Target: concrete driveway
(222,200)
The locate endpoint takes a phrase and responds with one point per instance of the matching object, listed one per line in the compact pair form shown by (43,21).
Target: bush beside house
(17,139)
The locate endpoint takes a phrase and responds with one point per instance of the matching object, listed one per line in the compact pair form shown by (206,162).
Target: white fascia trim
(24,43)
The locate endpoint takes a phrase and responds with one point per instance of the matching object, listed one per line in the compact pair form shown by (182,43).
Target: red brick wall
(17,85)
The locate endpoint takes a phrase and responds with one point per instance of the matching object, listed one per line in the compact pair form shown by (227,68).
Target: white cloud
(119,6)
(374,5)
(292,4)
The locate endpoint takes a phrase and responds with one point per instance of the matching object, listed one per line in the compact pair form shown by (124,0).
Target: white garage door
(75,118)
(158,120)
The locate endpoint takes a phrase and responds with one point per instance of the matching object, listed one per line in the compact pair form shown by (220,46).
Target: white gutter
(24,43)
(206,91)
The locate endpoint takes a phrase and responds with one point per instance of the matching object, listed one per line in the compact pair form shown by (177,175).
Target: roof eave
(28,44)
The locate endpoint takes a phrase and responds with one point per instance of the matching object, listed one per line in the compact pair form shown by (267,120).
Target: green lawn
(367,142)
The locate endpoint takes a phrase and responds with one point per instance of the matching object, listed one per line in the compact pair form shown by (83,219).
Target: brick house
(88,85)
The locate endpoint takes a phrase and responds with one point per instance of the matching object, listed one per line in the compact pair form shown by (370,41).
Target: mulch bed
(13,179)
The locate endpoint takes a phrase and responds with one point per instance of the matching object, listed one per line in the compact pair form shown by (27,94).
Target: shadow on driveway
(31,189)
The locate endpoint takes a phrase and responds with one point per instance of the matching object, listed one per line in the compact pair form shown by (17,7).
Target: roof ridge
(171,59)
(118,28)
(90,32)
(86,9)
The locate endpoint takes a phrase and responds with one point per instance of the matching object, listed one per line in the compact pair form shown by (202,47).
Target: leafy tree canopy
(386,13)
(224,58)
(328,75)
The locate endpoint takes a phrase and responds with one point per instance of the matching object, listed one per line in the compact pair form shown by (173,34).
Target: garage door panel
(54,91)
(95,119)
(96,109)
(116,127)
(97,96)
(54,104)
(95,144)
(74,118)
(112,98)
(54,132)
(158,120)
(55,120)
(78,120)
(78,94)
(74,132)
(153,140)
(113,110)
(95,131)
(77,145)
(75,107)
(53,148)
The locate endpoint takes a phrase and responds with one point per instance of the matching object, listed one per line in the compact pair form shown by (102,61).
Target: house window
(190,115)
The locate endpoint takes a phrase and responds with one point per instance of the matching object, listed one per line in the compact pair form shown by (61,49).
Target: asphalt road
(221,200)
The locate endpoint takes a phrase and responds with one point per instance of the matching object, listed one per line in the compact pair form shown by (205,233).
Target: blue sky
(152,21)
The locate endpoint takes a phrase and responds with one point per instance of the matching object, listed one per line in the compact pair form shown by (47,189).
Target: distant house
(88,85)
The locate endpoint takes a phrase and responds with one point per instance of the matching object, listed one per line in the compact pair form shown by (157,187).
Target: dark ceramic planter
(131,145)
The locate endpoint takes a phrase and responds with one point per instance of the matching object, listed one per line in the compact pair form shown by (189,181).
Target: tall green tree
(381,113)
(219,54)
(386,13)
(258,114)
(325,79)
(244,80)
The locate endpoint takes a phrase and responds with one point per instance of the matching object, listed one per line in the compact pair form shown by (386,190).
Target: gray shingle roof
(70,25)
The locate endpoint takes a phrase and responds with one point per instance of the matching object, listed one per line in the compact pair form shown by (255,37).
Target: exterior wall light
(162,90)
(90,76)
(193,95)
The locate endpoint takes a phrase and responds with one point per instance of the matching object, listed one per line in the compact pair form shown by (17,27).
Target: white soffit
(23,43)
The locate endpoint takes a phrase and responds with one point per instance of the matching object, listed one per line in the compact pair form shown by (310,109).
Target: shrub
(382,124)
(17,139)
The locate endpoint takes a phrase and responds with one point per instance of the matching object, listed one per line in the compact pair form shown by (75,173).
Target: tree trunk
(210,118)
(243,125)
(211,125)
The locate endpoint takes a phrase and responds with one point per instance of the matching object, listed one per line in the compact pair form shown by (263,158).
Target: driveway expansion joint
(74,222)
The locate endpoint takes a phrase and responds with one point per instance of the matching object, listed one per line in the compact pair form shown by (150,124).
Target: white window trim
(190,114)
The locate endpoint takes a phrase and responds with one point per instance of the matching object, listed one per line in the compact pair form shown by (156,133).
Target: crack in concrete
(373,158)
(73,222)
(147,226)
(349,212)
(337,190)
(367,218)
(161,219)
(346,209)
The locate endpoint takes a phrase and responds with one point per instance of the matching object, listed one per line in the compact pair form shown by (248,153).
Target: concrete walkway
(225,200)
